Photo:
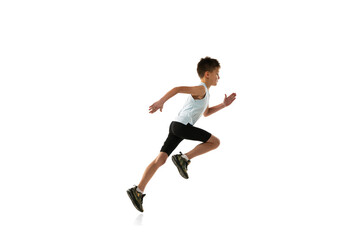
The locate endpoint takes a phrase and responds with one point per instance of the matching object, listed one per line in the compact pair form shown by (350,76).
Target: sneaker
(136,198)
(181,164)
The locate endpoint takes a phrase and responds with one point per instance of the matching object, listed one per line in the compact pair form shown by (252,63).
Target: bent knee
(215,141)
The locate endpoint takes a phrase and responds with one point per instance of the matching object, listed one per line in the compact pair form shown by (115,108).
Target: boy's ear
(207,73)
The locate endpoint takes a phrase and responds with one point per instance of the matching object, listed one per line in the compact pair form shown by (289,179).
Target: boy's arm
(227,102)
(194,91)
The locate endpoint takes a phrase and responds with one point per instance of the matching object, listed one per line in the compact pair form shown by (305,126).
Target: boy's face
(213,77)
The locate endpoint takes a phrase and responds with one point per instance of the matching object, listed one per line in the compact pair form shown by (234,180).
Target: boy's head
(208,69)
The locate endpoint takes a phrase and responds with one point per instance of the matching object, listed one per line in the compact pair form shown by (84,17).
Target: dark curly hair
(207,64)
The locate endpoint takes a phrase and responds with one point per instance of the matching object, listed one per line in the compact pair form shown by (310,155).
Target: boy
(183,126)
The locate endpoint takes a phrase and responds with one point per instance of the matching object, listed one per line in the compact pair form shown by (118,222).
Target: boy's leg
(151,169)
(170,144)
(202,148)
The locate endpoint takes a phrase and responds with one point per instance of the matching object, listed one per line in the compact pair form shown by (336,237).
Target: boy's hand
(229,99)
(157,105)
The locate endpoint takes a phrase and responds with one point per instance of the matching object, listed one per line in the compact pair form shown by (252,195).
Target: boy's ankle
(139,190)
(186,157)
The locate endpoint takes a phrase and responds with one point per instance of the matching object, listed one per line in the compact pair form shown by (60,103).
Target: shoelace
(187,164)
(186,161)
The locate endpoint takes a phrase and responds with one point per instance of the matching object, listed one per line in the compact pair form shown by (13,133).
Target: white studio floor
(76,81)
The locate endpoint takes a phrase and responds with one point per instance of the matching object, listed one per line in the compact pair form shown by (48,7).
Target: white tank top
(193,108)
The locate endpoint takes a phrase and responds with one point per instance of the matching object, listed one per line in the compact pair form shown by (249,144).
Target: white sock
(138,189)
(184,156)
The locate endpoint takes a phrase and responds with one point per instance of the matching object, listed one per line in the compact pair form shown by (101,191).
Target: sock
(138,189)
(184,156)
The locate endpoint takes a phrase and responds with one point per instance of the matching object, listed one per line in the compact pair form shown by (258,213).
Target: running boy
(183,126)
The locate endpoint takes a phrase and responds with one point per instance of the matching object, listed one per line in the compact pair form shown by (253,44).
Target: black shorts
(179,132)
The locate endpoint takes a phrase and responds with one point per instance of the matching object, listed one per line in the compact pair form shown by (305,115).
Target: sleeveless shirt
(193,108)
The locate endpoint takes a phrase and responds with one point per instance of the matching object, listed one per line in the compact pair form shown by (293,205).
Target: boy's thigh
(191,133)
(170,144)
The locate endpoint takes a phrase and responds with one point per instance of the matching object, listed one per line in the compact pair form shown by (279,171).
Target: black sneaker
(136,198)
(181,164)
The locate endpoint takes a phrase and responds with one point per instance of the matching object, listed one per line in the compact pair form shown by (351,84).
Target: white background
(77,78)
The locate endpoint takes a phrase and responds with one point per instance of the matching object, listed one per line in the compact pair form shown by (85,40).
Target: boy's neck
(206,83)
